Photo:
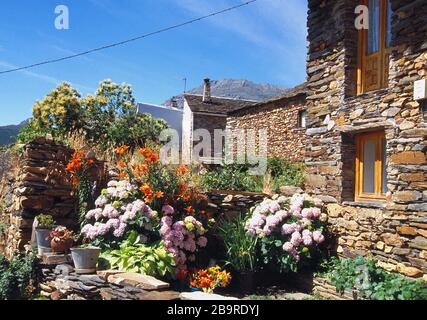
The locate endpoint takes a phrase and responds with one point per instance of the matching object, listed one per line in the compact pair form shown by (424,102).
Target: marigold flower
(121,164)
(122,175)
(145,189)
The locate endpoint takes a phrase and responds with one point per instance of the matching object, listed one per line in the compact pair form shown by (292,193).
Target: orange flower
(182,170)
(121,164)
(186,197)
(146,189)
(182,186)
(74,165)
(146,152)
(122,150)
(143,168)
(148,198)
(122,175)
(75,181)
(154,158)
(90,162)
(159,194)
(189,209)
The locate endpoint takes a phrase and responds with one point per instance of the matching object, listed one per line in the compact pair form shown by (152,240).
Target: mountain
(8,133)
(237,89)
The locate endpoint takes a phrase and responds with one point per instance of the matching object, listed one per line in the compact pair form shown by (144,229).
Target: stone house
(202,115)
(366,136)
(284,119)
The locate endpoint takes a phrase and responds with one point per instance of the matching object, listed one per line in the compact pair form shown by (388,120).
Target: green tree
(107,119)
(112,118)
(60,111)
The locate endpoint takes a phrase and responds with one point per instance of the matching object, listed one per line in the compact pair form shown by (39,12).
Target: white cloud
(277,26)
(263,23)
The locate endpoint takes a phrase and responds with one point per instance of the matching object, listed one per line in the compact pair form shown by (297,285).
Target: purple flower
(288,247)
(202,242)
(288,229)
(296,239)
(318,237)
(308,241)
(316,212)
(168,210)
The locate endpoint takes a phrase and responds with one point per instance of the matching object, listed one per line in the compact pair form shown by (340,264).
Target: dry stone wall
(280,119)
(394,231)
(40,185)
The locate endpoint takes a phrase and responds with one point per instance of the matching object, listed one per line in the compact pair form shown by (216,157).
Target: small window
(302,119)
(375,47)
(371,170)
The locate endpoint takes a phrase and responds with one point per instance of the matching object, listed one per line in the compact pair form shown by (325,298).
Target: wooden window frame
(383,53)
(378,195)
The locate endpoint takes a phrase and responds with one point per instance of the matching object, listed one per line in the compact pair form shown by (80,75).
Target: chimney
(207,91)
(174,103)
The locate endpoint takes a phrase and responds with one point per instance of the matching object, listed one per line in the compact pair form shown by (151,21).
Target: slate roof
(217,105)
(291,93)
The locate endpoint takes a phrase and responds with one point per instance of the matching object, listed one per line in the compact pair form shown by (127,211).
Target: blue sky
(264,42)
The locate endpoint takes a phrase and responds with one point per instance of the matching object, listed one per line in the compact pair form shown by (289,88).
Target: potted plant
(62,239)
(85,258)
(43,229)
(207,280)
(240,253)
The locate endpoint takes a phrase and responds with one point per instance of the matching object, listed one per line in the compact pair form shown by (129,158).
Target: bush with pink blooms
(183,236)
(289,230)
(118,212)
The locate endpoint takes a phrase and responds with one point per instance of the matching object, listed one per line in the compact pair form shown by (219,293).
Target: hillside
(238,89)
(9,133)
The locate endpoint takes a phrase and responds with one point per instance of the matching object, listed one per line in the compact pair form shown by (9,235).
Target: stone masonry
(280,117)
(395,231)
(39,186)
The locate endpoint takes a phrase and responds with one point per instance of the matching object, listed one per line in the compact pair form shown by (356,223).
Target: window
(375,47)
(302,119)
(371,159)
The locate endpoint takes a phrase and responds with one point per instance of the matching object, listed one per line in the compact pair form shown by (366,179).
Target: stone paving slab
(138,280)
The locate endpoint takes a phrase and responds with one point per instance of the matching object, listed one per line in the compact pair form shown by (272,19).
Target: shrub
(289,232)
(119,211)
(374,283)
(231,177)
(285,173)
(107,119)
(236,176)
(19,277)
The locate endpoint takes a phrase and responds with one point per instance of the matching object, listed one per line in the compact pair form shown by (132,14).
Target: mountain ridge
(233,88)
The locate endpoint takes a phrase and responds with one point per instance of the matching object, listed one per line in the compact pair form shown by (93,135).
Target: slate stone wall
(396,231)
(280,120)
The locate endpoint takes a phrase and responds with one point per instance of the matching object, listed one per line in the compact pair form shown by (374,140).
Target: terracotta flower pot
(61,246)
